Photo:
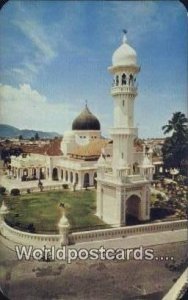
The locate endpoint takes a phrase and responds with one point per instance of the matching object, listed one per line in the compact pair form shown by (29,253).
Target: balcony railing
(132,178)
(123,89)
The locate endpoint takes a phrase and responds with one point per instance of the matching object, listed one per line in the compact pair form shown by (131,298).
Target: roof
(51,149)
(93,149)
(86,121)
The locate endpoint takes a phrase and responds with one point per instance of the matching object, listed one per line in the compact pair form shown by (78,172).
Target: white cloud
(25,107)
(36,34)
(141,18)
(39,47)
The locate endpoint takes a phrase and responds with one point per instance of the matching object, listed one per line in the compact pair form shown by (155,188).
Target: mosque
(72,161)
(119,167)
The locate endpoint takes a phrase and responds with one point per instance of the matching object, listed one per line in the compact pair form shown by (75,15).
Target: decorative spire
(124,36)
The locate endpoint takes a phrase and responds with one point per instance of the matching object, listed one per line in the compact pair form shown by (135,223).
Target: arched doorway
(136,168)
(42,173)
(86,179)
(34,172)
(25,174)
(55,174)
(76,178)
(66,175)
(133,207)
(71,177)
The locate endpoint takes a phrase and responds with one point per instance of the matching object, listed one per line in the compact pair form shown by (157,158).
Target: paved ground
(148,239)
(92,280)
(14,183)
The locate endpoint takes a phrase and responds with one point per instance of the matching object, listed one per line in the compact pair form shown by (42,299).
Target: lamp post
(63,226)
(174,172)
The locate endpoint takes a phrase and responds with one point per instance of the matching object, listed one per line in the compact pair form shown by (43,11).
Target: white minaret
(124,90)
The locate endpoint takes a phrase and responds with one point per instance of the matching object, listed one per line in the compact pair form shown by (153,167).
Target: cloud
(25,107)
(36,34)
(141,18)
(38,45)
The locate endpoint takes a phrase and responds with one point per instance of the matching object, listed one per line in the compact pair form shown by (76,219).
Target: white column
(59,173)
(99,201)
(29,172)
(80,179)
(18,174)
(21,173)
(37,173)
(91,178)
(74,177)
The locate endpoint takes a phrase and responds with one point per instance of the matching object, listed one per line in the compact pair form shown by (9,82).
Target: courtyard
(41,212)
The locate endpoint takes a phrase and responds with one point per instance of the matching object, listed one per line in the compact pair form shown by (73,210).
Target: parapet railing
(104,234)
(39,240)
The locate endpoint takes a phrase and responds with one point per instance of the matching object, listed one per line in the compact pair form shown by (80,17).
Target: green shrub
(15,192)
(65,186)
(2,190)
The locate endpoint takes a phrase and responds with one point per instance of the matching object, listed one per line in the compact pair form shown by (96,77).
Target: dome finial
(86,102)
(124,36)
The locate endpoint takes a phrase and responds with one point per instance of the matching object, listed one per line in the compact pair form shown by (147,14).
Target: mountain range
(8,131)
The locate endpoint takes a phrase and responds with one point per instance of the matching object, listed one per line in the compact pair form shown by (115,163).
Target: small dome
(86,121)
(125,55)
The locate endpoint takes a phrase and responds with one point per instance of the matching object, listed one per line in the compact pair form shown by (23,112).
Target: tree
(36,136)
(177,125)
(20,137)
(175,148)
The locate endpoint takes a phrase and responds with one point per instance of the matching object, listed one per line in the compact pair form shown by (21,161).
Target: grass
(43,210)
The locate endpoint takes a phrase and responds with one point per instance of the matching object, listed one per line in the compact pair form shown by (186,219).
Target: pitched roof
(52,149)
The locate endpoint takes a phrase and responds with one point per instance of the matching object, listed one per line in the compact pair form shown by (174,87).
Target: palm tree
(178,124)
(175,148)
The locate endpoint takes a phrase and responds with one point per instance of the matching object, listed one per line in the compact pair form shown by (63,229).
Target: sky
(54,56)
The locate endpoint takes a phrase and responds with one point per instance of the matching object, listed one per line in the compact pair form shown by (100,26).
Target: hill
(8,131)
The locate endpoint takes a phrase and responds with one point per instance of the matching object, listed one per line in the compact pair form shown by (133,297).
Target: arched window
(117,80)
(123,102)
(25,172)
(123,79)
(34,172)
(54,174)
(66,175)
(136,168)
(61,174)
(131,79)
(86,180)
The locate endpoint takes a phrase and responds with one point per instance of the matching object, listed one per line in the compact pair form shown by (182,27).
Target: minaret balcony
(124,131)
(119,90)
